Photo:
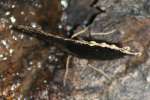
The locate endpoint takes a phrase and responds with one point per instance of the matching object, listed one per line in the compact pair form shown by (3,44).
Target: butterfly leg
(67,69)
(100,71)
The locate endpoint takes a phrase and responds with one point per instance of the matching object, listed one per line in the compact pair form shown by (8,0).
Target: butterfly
(79,48)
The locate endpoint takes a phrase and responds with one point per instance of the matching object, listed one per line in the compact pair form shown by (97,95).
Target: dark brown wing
(82,49)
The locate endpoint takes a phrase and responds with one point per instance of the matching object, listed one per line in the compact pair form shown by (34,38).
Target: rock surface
(34,69)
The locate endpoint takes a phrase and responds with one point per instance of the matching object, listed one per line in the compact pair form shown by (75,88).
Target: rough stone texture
(129,75)
(33,69)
